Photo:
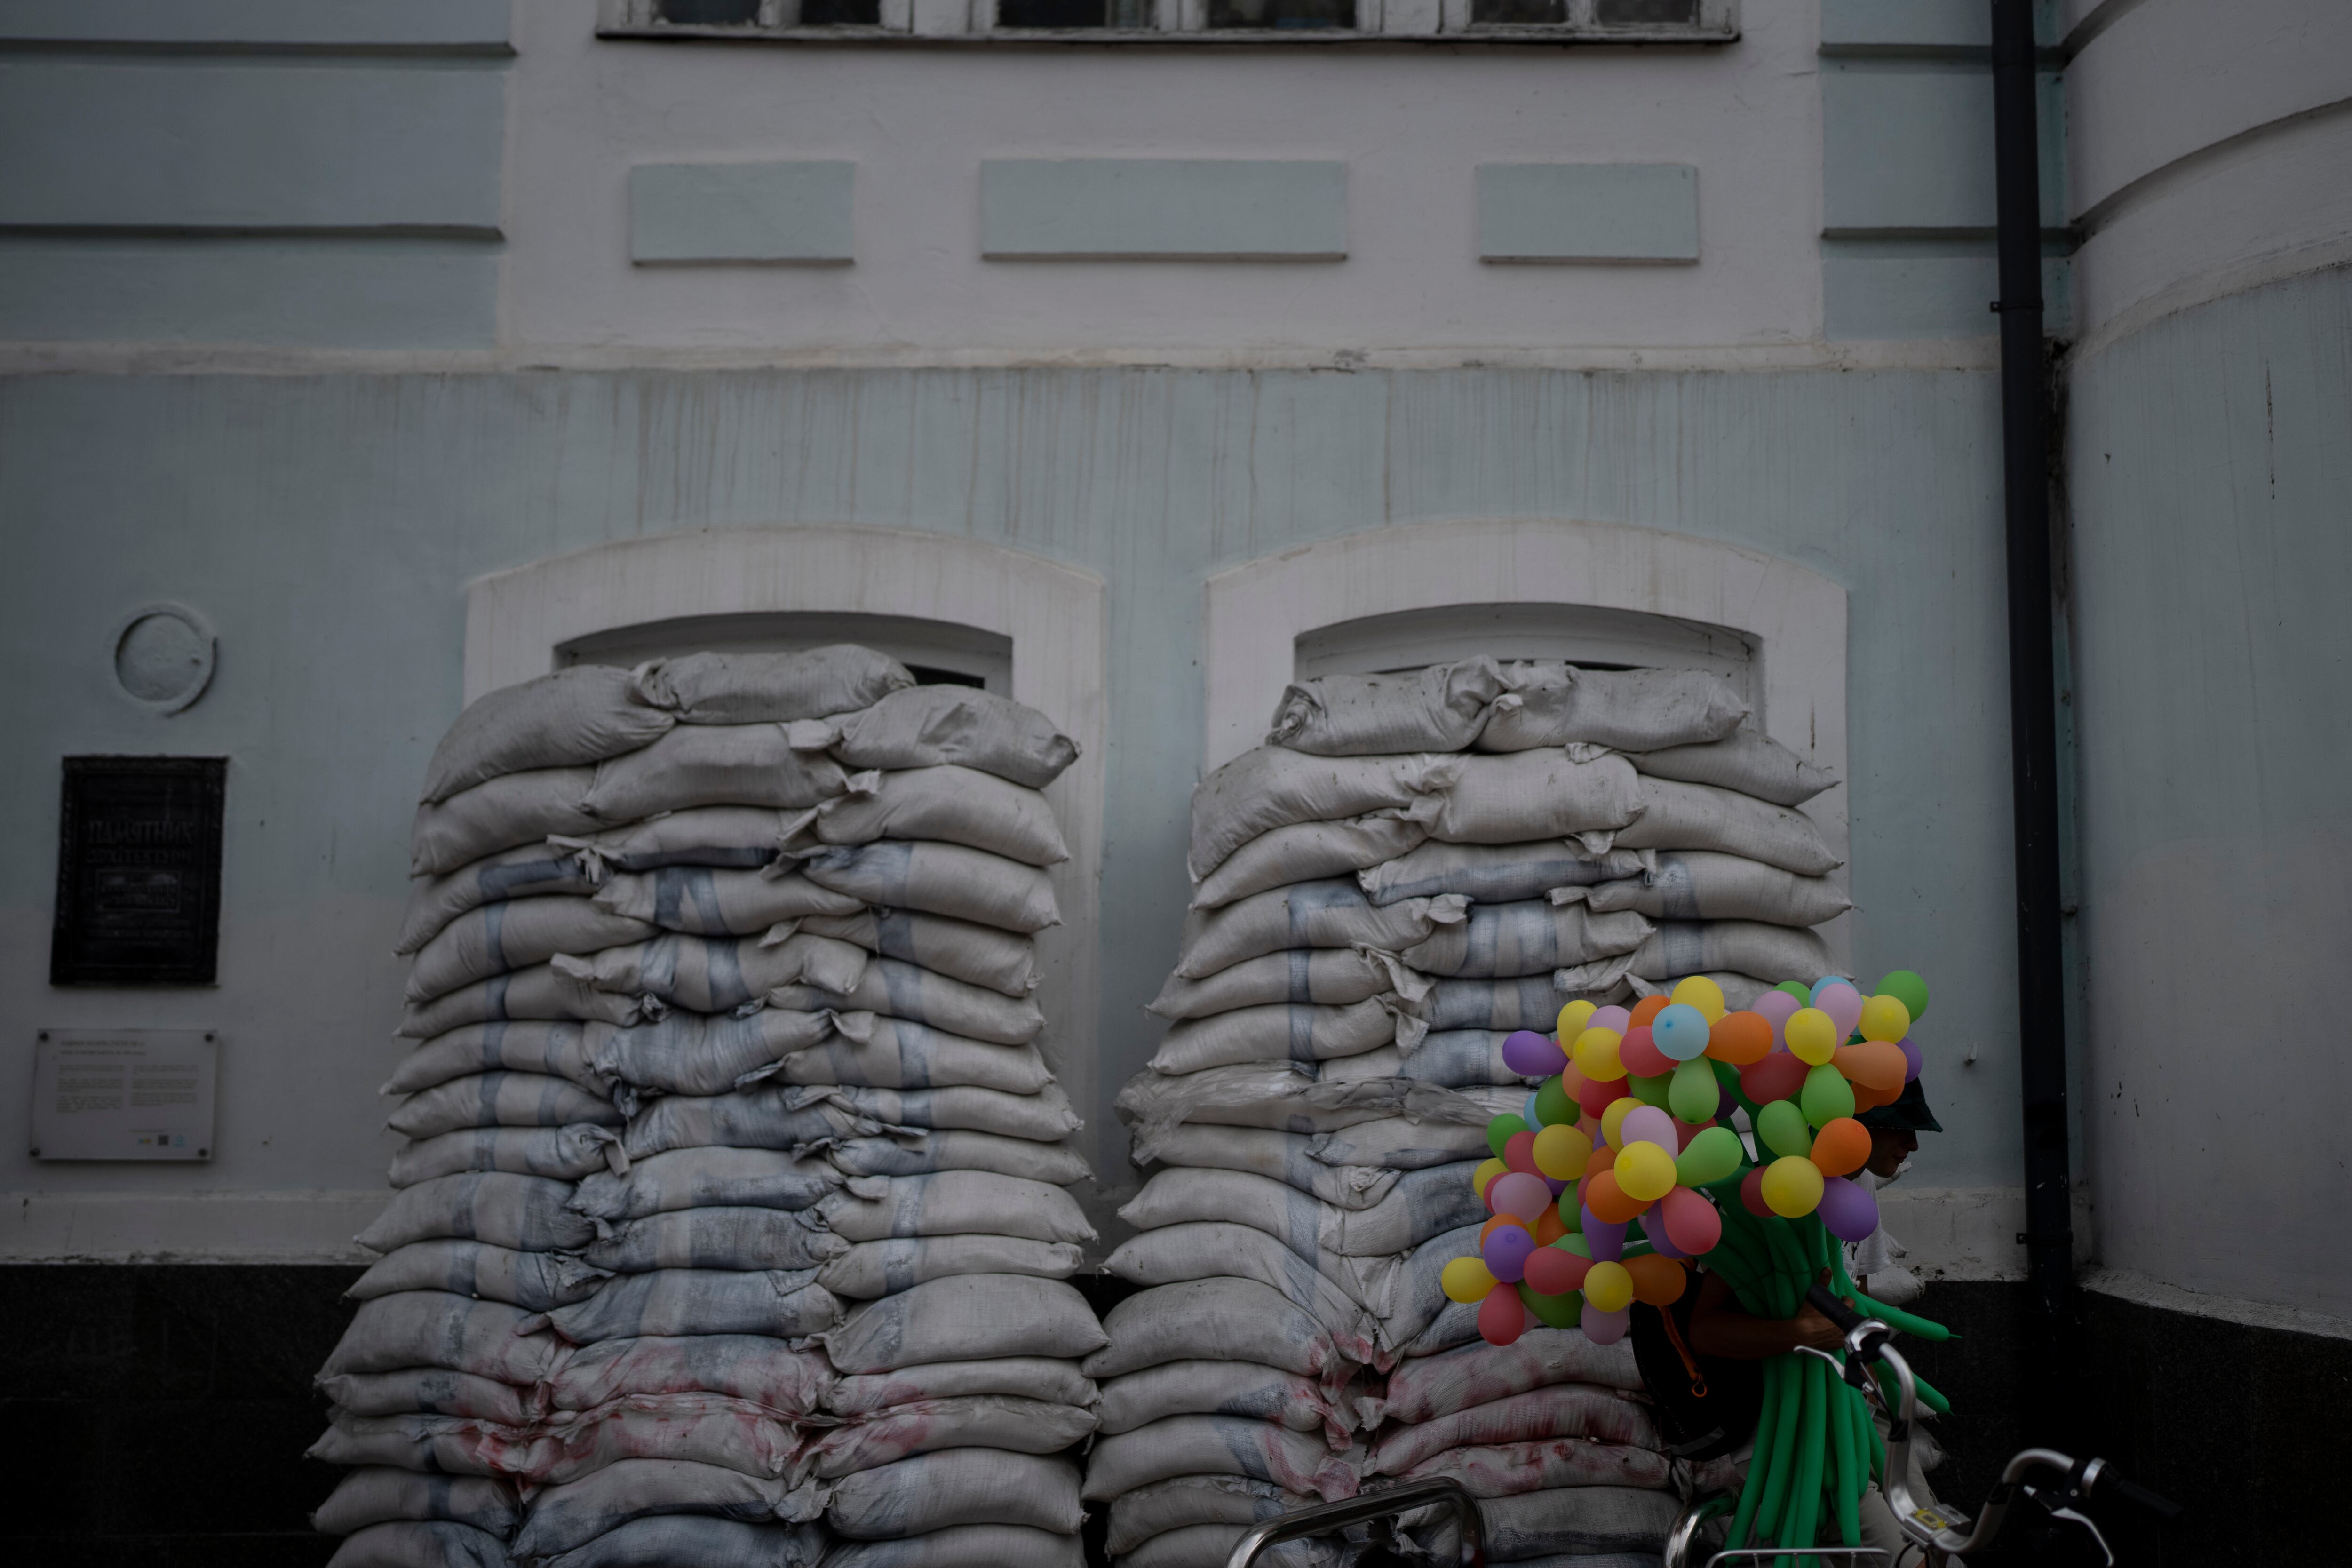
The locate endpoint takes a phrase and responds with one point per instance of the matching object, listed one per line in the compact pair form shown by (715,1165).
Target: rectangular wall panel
(741,212)
(1187,209)
(329,24)
(1588,212)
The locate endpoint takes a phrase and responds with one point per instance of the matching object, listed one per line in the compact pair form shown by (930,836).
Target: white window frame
(1174,22)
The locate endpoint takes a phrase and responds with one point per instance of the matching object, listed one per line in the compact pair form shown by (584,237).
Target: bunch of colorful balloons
(1635,1115)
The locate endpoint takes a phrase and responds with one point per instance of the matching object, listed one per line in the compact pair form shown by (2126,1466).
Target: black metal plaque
(139,871)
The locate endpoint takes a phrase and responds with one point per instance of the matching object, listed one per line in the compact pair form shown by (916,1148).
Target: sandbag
(1339,1292)
(1557,1410)
(1545,703)
(1044,1378)
(716,1238)
(716,975)
(780,1303)
(764,1117)
(501,1099)
(537,993)
(1509,1469)
(978,1420)
(953,1487)
(376,1493)
(1275,786)
(1166,1507)
(964,1546)
(898,1052)
(665,1541)
(697,1426)
(764,1372)
(1211,1546)
(1768,953)
(977,954)
(699,1053)
(732,764)
(1331,914)
(965,1318)
(1216,1446)
(1417,1297)
(527,1214)
(900,990)
(527,871)
(1419,1205)
(1448,1059)
(1295,1032)
(564,1518)
(416,1543)
(1592,1527)
(446,1444)
(1330,977)
(561,1154)
(1288,1097)
(555,1047)
(1700,816)
(432,1328)
(1404,1142)
(535,1281)
(432,1391)
(703,1178)
(1453,1328)
(769,687)
(511,935)
(1423,1389)
(950,805)
(1505,941)
(726,837)
(575,716)
(950,1150)
(1699,885)
(929,726)
(1439,708)
(1279,1156)
(1495,873)
(1537,795)
(871,1270)
(1747,760)
(1222,1388)
(1310,851)
(957,1203)
(1526,1002)
(952,879)
(1223,1319)
(502,813)
(708,900)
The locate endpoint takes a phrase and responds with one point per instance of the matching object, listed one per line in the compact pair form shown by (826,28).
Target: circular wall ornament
(163,657)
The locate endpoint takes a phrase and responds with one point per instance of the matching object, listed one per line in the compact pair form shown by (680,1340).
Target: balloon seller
(1625,1199)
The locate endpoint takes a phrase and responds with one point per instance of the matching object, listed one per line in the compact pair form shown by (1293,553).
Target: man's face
(1889,1147)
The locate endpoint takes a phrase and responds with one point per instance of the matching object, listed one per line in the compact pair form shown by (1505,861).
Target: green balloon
(1554,1107)
(1692,1093)
(1783,1126)
(1908,989)
(1714,1154)
(1499,1130)
(1574,1242)
(1799,989)
(1826,1095)
(1650,1090)
(1557,1311)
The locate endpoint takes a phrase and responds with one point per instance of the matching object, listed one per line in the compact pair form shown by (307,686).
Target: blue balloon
(1680,1032)
(1813,999)
(1529,1116)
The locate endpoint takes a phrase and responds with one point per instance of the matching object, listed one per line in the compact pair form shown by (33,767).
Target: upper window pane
(1053,13)
(1645,13)
(1518,13)
(710,13)
(1282,14)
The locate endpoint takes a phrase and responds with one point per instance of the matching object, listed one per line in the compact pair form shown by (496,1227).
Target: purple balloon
(1521,1195)
(1605,1328)
(1725,1103)
(1507,1252)
(1530,1055)
(1607,1241)
(1649,1125)
(1610,1018)
(1777,1009)
(1558,1187)
(1847,1212)
(1911,1054)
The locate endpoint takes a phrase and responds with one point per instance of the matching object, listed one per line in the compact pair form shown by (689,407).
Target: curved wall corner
(1051,614)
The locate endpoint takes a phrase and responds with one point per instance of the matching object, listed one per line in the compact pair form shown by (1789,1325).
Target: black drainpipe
(2032,689)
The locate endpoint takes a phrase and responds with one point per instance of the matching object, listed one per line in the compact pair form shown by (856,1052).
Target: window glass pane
(1282,13)
(1053,13)
(1518,13)
(710,13)
(841,13)
(1652,13)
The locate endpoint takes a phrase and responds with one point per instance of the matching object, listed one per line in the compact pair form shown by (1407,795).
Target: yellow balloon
(1596,1055)
(1703,994)
(1885,1018)
(1645,1172)
(1560,1153)
(1487,1171)
(1812,1036)
(1612,1121)
(1791,1186)
(1571,1019)
(1466,1279)
(1608,1287)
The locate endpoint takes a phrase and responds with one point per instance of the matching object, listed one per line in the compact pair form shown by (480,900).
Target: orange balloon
(1608,1202)
(1572,1080)
(1878,1063)
(1495,1224)
(1841,1147)
(1658,1279)
(1868,1099)
(1741,1037)
(1648,1008)
(1549,1227)
(1603,1157)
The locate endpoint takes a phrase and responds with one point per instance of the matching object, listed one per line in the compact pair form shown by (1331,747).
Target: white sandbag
(697,1426)
(953,1487)
(1331,914)
(1526,1002)
(1700,816)
(1747,760)
(966,1318)
(1223,1319)
(780,1303)
(503,814)
(1449,1059)
(1768,953)
(948,1150)
(1740,991)
(1211,1546)
(973,1421)
(446,1444)
(555,1047)
(377,1493)
(1404,1142)
(1545,703)
(978,954)
(1285,1032)
(906,991)
(575,716)
(434,1391)
(949,805)
(665,1541)
(1495,873)
(717,1239)
(764,1372)
(726,837)
(564,1518)
(1440,707)
(1331,977)
(1340,1299)
(1505,941)
(432,1328)
(716,975)
(708,900)
(1216,1446)
(952,879)
(561,1154)
(755,687)
(1222,1388)
(898,1052)
(1509,1469)
(1419,1205)
(1284,1096)
(701,1053)
(1279,1156)
(537,993)
(1044,1378)
(964,1546)
(1165,1507)
(514,934)
(1431,1387)
(704,1178)
(730,764)
(1455,1327)
(525,1212)
(535,1281)
(1556,1410)
(501,1099)
(955,1203)
(418,1544)
(528,871)
(1537,794)
(929,726)
(1311,851)
(763,1117)
(1274,787)
(1699,885)
(1417,1297)
(1592,1527)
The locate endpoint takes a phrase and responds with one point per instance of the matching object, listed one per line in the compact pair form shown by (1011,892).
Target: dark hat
(1908,1112)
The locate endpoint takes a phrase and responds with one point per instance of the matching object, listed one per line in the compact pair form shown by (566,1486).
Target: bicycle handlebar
(2138,1496)
(1846,1318)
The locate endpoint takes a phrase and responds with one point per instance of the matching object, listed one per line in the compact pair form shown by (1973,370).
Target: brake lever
(2068,1514)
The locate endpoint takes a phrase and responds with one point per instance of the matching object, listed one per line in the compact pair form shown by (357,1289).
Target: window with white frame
(1176,21)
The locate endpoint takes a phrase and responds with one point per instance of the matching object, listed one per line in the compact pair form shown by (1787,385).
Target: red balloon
(1641,1055)
(1777,1076)
(1751,1194)
(1519,1152)
(1684,1132)
(1502,1316)
(1595,1096)
(1690,1221)
(1555,1271)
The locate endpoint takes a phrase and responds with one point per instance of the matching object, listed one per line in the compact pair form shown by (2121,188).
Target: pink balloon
(1520,1196)
(1777,1009)
(1605,1328)
(1610,1018)
(1689,1221)
(1911,1056)
(1842,1003)
(1847,1212)
(1650,1125)
(1502,1316)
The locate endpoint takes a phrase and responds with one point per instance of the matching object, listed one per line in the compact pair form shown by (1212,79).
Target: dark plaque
(139,871)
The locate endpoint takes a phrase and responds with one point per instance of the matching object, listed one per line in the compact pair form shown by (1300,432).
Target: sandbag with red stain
(1562,1410)
(1217,1445)
(765,1372)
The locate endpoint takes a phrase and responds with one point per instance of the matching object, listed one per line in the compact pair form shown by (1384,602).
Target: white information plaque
(123,1094)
